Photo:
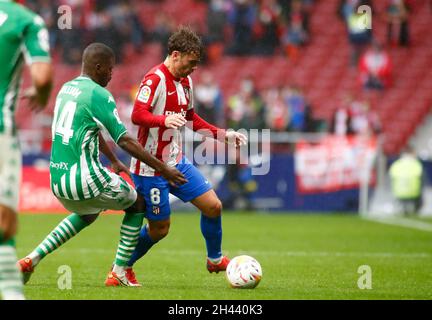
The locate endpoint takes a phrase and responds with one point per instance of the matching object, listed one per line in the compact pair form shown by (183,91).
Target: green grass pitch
(308,256)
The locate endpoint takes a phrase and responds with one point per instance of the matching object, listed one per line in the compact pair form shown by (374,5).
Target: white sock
(119,270)
(35,257)
(13,296)
(11,284)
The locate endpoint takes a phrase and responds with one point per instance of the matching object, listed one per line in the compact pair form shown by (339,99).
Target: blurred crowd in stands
(235,27)
(241,28)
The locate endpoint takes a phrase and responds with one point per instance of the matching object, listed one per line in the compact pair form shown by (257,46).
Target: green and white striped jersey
(22,35)
(83,108)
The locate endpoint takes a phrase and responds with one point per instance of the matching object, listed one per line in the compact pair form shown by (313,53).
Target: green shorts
(118,195)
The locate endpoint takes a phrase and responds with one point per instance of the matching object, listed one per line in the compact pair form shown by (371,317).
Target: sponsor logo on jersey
(156,210)
(144,94)
(182,112)
(59,165)
(149,82)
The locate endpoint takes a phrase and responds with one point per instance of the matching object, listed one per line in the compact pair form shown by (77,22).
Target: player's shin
(66,230)
(145,242)
(11,285)
(211,229)
(129,234)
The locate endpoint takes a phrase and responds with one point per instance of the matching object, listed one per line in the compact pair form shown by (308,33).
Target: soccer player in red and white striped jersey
(162,107)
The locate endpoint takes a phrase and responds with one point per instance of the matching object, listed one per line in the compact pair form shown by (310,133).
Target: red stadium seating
(322,68)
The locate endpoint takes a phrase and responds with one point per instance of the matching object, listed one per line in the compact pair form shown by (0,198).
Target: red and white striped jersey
(160,95)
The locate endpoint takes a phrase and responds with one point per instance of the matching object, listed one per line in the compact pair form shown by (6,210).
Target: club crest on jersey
(144,94)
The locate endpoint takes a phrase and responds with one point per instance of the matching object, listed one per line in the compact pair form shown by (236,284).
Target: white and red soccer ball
(244,272)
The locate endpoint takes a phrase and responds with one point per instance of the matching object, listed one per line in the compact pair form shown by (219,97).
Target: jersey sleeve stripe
(55,190)
(84,170)
(94,184)
(40,59)
(180,93)
(151,143)
(100,125)
(160,89)
(63,187)
(133,164)
(72,182)
(9,101)
(32,59)
(100,177)
(120,135)
(104,171)
(191,95)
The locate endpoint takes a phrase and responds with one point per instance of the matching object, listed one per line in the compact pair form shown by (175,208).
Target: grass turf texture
(302,256)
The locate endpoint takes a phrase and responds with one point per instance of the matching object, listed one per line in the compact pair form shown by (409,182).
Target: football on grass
(244,272)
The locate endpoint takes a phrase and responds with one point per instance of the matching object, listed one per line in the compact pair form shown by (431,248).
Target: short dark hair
(96,53)
(185,40)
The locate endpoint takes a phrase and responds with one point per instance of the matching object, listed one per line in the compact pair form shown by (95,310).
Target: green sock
(66,229)
(129,234)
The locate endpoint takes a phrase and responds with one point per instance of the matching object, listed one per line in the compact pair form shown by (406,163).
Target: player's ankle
(120,270)
(215,260)
(35,258)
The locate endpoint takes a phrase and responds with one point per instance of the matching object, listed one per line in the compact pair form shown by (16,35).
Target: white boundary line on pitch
(275,253)
(402,222)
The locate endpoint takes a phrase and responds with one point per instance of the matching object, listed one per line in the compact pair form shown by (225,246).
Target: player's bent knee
(215,209)
(131,198)
(159,230)
(124,200)
(89,218)
(138,206)
(162,232)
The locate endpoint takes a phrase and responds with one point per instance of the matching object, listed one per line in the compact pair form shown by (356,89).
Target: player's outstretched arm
(235,138)
(42,78)
(227,136)
(144,118)
(117,165)
(132,146)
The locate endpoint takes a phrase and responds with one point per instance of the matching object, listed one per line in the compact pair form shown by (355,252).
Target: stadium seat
(322,69)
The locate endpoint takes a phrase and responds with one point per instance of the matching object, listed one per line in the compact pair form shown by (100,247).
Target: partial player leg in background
(11,286)
(10,176)
(211,228)
(129,234)
(117,196)
(64,231)
(199,192)
(155,192)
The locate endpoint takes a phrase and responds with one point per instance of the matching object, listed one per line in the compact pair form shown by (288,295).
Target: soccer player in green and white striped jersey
(78,179)
(23,38)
